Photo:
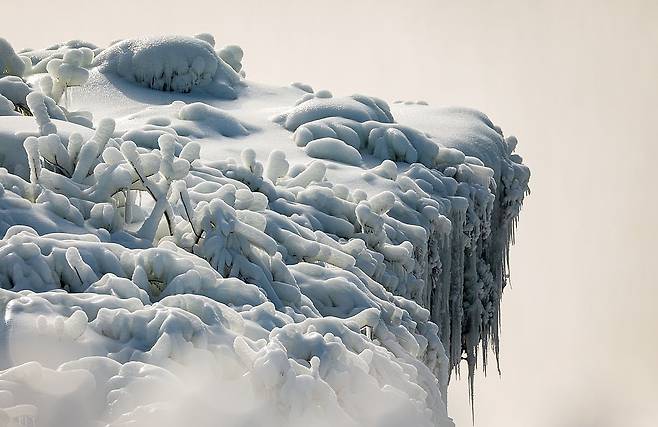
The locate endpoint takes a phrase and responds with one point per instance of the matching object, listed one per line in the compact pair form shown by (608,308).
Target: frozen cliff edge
(188,245)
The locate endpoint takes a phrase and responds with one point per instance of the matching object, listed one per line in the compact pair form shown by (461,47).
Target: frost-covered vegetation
(330,263)
(172,63)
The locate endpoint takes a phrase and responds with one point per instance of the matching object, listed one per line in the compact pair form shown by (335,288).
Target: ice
(195,255)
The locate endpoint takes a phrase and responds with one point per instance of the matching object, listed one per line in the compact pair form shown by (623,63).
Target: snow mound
(333,149)
(194,120)
(187,258)
(168,63)
(222,122)
(359,108)
(384,141)
(147,136)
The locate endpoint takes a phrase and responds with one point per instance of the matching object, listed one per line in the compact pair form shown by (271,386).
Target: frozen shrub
(206,37)
(68,72)
(37,104)
(277,166)
(15,90)
(167,63)
(10,63)
(6,107)
(232,55)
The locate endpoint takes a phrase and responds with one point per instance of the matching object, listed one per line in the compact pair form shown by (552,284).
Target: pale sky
(575,81)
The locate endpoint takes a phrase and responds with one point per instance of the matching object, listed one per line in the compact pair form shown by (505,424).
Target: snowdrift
(188,245)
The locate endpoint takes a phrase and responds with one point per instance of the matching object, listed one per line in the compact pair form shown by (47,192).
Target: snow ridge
(146,265)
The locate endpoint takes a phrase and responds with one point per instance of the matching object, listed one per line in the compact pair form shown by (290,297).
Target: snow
(219,120)
(357,107)
(232,55)
(333,149)
(10,63)
(169,63)
(217,248)
(14,89)
(69,71)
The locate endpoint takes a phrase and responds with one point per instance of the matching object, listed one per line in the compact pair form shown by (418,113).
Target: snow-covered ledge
(183,243)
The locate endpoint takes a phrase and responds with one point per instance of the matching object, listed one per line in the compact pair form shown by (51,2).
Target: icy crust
(170,63)
(173,276)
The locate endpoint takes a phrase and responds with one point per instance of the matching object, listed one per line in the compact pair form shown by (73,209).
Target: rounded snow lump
(333,149)
(167,63)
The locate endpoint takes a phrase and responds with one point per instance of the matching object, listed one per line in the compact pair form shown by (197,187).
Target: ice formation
(283,258)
